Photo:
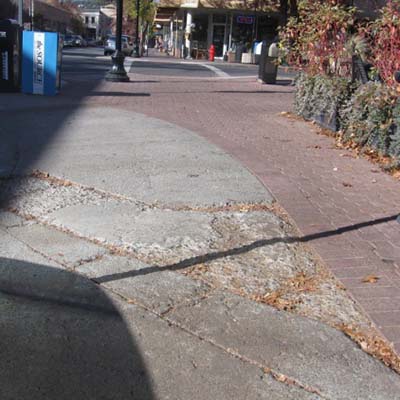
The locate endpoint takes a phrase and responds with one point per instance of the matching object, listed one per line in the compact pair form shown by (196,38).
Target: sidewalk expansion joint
(227,207)
(44,255)
(223,257)
(279,377)
(368,339)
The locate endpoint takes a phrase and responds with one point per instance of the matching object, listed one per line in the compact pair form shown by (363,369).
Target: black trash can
(10,56)
(268,66)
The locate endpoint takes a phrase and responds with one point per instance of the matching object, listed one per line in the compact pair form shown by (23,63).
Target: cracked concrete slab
(9,219)
(185,367)
(307,350)
(38,197)
(143,158)
(157,290)
(65,337)
(245,252)
(16,250)
(152,233)
(57,245)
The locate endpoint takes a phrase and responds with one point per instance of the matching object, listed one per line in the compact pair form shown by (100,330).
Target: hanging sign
(190,4)
(245,19)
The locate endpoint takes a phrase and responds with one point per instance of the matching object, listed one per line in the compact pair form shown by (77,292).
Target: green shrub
(368,115)
(367,118)
(394,147)
(320,98)
(303,95)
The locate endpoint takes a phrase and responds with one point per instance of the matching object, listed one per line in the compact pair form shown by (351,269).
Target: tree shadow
(62,337)
(190,262)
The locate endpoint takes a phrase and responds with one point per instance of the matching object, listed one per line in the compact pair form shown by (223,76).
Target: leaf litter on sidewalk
(252,252)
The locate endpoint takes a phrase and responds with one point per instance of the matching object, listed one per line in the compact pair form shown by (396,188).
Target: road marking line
(128,64)
(216,70)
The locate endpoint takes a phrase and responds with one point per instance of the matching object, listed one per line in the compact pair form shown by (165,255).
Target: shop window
(219,18)
(267,28)
(199,30)
(243,30)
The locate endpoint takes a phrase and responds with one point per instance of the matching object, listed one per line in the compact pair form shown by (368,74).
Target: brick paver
(323,188)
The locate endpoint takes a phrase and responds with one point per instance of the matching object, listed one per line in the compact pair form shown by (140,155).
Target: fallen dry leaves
(373,344)
(370,279)
(384,162)
(45,176)
(299,284)
(196,270)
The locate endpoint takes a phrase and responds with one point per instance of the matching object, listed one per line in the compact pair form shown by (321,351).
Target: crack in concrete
(57,181)
(44,255)
(227,207)
(279,377)
(184,264)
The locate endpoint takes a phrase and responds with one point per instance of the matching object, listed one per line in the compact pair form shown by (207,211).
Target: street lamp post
(20,12)
(136,51)
(117,72)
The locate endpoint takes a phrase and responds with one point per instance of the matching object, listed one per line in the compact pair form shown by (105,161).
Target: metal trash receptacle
(268,66)
(10,56)
(41,63)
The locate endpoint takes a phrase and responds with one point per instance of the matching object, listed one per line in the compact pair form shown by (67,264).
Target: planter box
(231,56)
(246,58)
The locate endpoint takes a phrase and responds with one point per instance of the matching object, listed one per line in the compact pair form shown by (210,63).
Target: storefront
(227,29)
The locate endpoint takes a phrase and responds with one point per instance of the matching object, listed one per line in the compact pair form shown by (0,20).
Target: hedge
(366,114)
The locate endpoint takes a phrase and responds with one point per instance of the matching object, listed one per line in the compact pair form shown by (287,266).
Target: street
(91,63)
(183,236)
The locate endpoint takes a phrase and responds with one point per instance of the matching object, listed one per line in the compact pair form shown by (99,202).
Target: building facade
(97,24)
(231,26)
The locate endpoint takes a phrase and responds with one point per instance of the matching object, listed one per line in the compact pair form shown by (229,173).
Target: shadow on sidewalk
(116,94)
(30,124)
(190,262)
(248,91)
(63,338)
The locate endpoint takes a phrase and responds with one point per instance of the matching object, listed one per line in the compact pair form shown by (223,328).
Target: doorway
(218,39)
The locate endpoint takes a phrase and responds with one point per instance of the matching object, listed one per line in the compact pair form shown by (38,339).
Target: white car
(126,45)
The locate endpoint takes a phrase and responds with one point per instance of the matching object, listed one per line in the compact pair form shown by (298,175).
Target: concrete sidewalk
(138,260)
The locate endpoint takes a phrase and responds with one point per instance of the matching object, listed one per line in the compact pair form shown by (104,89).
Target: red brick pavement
(321,187)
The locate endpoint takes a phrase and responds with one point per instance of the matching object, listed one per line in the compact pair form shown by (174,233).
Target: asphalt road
(83,64)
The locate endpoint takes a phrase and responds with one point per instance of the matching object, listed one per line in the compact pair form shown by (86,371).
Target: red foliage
(385,42)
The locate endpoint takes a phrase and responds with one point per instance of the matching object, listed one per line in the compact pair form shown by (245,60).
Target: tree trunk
(294,11)
(283,9)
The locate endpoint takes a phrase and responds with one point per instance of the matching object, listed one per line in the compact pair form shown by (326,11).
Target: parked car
(74,41)
(69,41)
(79,41)
(126,45)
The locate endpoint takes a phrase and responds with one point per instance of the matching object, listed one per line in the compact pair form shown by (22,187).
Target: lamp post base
(136,52)
(117,72)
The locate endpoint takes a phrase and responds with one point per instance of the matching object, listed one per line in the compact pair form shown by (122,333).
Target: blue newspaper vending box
(41,62)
